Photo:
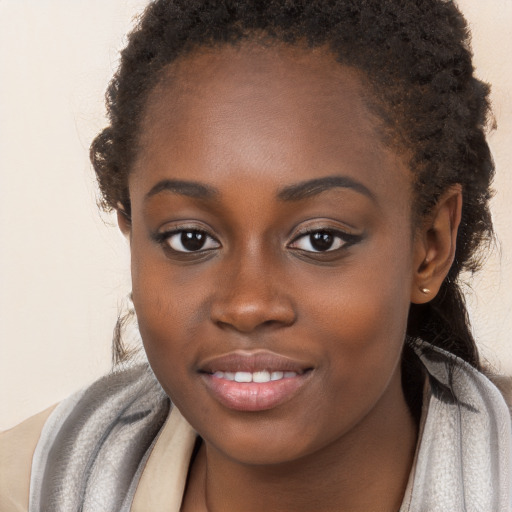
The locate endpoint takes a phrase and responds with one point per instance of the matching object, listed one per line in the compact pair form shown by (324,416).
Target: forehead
(289,110)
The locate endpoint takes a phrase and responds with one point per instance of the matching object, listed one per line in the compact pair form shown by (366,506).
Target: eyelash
(347,239)
(164,238)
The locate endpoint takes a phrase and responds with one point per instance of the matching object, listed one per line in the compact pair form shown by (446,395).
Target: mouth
(260,376)
(254,381)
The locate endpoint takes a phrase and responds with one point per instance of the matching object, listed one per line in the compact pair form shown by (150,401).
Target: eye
(323,240)
(190,240)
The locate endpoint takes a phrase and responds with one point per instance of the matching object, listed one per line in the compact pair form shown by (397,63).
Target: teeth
(259,377)
(243,377)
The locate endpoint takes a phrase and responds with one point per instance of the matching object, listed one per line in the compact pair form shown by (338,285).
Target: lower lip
(252,396)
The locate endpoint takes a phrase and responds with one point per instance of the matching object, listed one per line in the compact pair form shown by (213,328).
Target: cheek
(167,309)
(370,310)
(166,327)
(361,318)
(363,343)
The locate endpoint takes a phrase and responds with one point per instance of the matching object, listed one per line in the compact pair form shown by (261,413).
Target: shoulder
(466,434)
(504,384)
(17,447)
(97,441)
(125,408)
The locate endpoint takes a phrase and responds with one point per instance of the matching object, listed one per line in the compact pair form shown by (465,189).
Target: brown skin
(248,122)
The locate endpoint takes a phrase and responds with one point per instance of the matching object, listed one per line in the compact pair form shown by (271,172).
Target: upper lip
(242,361)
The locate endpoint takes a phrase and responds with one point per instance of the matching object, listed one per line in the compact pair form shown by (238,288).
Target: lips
(254,381)
(241,361)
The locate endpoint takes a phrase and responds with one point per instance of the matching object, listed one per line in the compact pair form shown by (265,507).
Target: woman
(302,184)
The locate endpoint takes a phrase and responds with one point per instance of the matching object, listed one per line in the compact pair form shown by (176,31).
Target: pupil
(192,240)
(321,241)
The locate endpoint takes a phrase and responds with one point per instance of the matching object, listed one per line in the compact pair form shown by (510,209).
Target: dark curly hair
(416,60)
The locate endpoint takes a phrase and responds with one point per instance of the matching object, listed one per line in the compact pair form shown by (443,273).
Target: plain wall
(64,268)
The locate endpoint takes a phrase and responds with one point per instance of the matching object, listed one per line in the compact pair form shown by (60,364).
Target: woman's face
(272,252)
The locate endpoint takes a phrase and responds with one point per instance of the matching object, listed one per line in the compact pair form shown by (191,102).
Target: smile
(254,382)
(261,377)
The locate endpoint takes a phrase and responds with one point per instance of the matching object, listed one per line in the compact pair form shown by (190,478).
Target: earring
(426,291)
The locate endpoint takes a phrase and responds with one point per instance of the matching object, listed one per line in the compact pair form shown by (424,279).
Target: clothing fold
(95,445)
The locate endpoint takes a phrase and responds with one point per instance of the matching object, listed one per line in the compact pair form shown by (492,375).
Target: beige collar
(163,480)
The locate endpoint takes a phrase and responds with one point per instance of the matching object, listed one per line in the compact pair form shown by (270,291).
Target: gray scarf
(95,444)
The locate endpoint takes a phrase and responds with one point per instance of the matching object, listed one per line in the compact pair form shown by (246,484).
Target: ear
(435,244)
(124,221)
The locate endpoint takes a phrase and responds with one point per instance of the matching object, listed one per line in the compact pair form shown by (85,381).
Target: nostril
(246,318)
(270,323)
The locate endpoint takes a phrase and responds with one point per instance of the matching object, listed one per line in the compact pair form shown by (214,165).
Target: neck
(367,469)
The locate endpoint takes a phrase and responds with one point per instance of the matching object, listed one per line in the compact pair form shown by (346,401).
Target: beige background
(63,267)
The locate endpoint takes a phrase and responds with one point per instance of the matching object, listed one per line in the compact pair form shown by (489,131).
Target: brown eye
(191,241)
(321,241)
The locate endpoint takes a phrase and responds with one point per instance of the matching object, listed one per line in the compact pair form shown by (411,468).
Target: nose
(250,298)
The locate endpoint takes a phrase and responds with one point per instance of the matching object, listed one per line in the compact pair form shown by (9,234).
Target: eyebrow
(295,192)
(183,188)
(315,186)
